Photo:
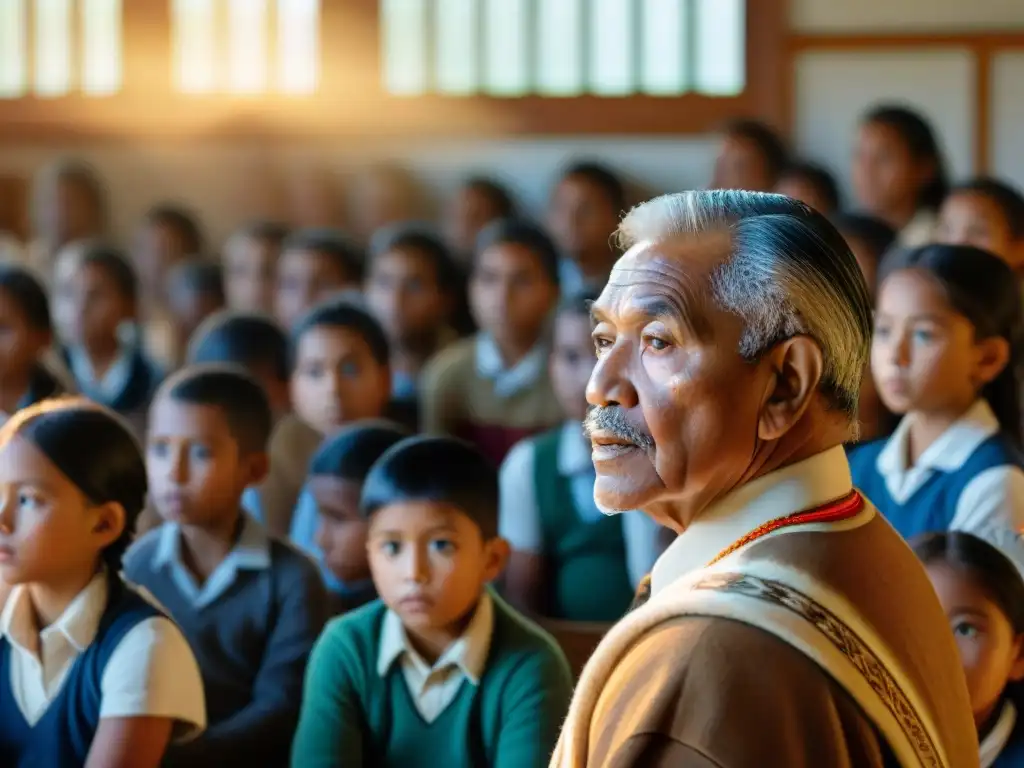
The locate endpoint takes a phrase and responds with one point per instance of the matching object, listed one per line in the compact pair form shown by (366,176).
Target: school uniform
(110,654)
(593,561)
(494,698)
(970,479)
(1003,745)
(251,624)
(468,392)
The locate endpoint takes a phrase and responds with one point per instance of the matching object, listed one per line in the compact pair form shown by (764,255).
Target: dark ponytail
(919,138)
(985,290)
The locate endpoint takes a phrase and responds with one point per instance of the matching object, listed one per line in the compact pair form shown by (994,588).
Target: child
(104,354)
(751,156)
(987,214)
(944,356)
(493,389)
(898,172)
(314,264)
(983,595)
(440,670)
(584,214)
(69,203)
(810,184)
(569,561)
(478,202)
(195,291)
(336,476)
(26,333)
(250,266)
(93,674)
(410,288)
(250,605)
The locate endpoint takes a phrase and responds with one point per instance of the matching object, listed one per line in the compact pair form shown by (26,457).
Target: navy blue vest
(1012,755)
(143,379)
(932,506)
(62,736)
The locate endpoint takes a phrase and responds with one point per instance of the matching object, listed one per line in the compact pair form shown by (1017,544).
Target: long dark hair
(985,290)
(917,134)
(96,451)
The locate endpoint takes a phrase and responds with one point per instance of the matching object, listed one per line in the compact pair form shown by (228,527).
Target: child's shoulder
(518,642)
(356,633)
(452,361)
(141,552)
(290,562)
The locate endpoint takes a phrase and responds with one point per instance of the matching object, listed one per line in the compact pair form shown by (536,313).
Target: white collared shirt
(251,552)
(821,479)
(508,381)
(152,672)
(519,519)
(990,506)
(433,688)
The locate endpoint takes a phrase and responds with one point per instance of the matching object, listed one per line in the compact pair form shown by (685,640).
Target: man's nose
(610,382)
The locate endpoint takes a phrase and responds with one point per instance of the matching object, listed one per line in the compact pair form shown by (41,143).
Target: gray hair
(789,273)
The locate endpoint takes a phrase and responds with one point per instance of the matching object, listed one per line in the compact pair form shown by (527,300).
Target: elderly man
(788,624)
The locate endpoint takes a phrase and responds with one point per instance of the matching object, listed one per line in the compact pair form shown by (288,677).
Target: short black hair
(769,143)
(602,177)
(234,392)
(351,453)
(415,237)
(200,276)
(496,193)
(113,261)
(529,236)
(22,288)
(335,245)
(876,234)
(344,313)
(246,339)
(265,230)
(1009,200)
(818,177)
(438,469)
(183,221)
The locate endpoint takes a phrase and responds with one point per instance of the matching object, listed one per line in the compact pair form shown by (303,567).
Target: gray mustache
(612,421)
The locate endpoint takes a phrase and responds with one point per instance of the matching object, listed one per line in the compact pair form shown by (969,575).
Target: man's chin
(613,495)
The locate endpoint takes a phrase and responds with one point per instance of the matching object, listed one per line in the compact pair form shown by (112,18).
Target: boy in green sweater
(439,671)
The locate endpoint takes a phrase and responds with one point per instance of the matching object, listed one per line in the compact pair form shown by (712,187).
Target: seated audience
(315,264)
(987,214)
(944,356)
(336,476)
(812,185)
(751,156)
(250,266)
(381,195)
(94,674)
(569,561)
(493,389)
(583,215)
(440,670)
(250,605)
(983,595)
(195,291)
(477,203)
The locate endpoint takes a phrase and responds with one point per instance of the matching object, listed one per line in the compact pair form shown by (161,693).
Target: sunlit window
(246,46)
(509,48)
(51,48)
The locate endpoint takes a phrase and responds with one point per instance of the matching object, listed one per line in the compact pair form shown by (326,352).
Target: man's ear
(796,368)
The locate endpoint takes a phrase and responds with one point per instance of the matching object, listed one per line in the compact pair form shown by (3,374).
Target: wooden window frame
(350,102)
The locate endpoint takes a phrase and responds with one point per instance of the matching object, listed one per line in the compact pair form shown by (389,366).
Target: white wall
(905,15)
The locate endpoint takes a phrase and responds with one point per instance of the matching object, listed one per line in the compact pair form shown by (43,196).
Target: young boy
(250,606)
(250,266)
(440,671)
(810,184)
(410,288)
(987,214)
(478,202)
(195,291)
(314,264)
(69,202)
(493,389)
(584,214)
(336,476)
(751,156)
(569,561)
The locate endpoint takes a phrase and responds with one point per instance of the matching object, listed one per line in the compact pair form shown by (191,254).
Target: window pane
(665,37)
(101,47)
(611,47)
(195,45)
(53,47)
(13,50)
(247,46)
(457,35)
(506,47)
(298,45)
(405,46)
(720,44)
(559,43)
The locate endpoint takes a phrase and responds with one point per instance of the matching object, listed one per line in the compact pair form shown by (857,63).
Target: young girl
(946,326)
(983,595)
(898,172)
(25,334)
(988,214)
(90,672)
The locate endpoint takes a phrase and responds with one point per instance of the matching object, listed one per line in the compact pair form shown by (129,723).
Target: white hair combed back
(789,272)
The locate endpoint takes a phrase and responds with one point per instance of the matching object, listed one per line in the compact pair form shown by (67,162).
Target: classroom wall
(227,181)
